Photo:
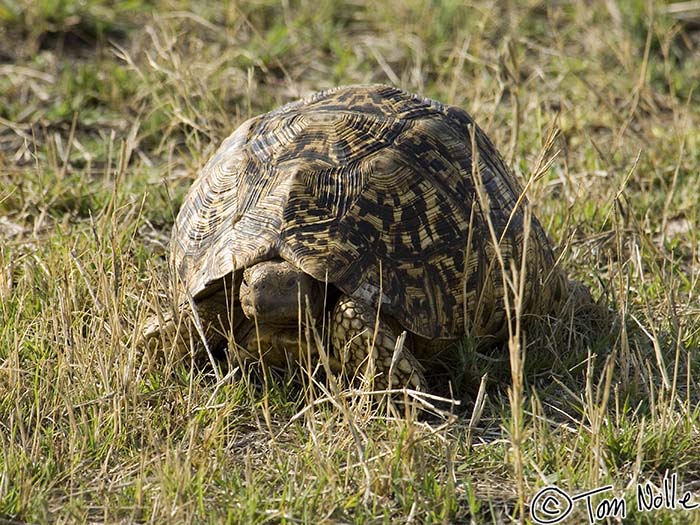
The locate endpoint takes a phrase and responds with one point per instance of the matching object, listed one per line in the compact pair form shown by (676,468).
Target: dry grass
(107,112)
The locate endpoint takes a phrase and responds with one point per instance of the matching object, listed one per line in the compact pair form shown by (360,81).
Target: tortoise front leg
(352,335)
(176,335)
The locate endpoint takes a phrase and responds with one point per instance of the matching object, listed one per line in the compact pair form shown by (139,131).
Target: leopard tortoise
(371,211)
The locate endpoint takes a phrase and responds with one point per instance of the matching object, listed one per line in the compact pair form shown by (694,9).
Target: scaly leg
(352,334)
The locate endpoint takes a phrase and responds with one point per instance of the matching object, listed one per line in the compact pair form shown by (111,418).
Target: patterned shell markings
(357,178)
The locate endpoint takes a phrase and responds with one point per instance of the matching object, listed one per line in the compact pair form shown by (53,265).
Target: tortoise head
(276,291)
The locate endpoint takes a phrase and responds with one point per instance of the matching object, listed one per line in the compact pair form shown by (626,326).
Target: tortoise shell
(386,195)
